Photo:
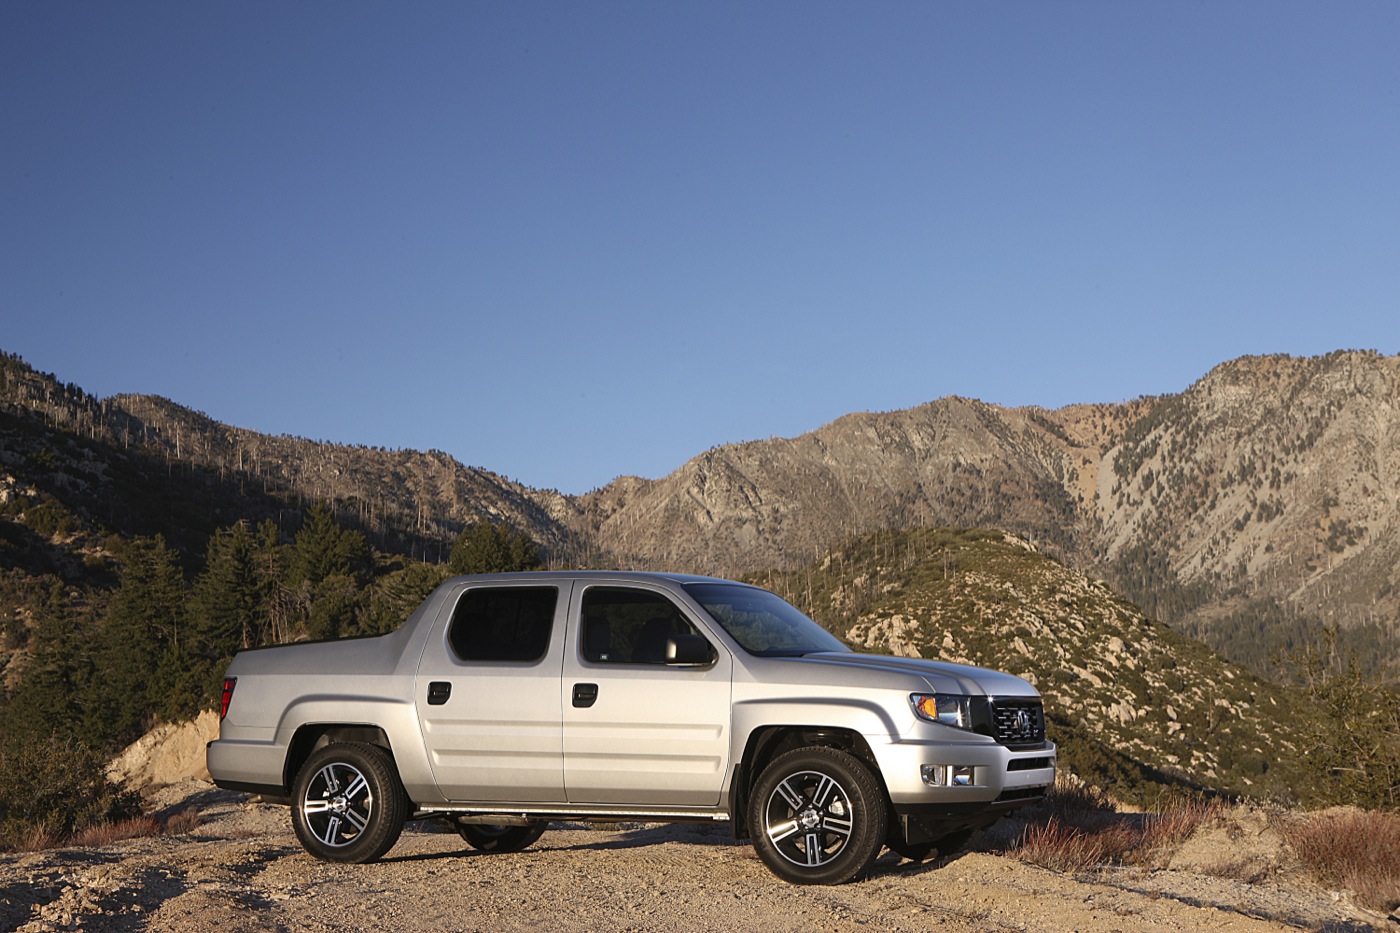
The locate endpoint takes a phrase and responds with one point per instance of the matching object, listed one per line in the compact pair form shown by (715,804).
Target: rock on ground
(168,754)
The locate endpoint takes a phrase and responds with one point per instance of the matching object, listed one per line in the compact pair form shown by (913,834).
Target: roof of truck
(616,576)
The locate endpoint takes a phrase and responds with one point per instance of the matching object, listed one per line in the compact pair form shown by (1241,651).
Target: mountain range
(1251,509)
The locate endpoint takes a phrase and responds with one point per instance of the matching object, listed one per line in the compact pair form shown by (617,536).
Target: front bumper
(972,774)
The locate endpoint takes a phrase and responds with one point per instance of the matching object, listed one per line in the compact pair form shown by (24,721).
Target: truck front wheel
(818,816)
(348,805)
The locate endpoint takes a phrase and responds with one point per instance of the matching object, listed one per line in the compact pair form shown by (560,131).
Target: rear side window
(503,624)
(629,626)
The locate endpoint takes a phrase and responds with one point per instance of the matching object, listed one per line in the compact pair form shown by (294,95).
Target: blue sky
(570,241)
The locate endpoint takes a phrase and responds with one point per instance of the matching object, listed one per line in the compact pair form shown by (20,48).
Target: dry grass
(41,837)
(183,822)
(1243,870)
(107,833)
(1354,849)
(1063,847)
(37,838)
(1078,828)
(1165,830)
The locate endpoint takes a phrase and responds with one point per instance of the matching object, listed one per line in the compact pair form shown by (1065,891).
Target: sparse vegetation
(183,821)
(1353,849)
(1066,848)
(1077,829)
(1354,747)
(54,789)
(104,834)
(1134,706)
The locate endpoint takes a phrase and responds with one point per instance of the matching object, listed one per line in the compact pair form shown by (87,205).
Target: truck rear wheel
(486,838)
(348,804)
(818,816)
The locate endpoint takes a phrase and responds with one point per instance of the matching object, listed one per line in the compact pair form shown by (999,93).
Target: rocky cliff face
(777,502)
(1271,479)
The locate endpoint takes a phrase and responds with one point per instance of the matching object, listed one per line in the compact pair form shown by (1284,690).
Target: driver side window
(628,626)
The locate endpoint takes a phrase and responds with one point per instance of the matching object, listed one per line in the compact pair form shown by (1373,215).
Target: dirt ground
(242,870)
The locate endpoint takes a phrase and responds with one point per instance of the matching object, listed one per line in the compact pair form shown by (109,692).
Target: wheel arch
(312,736)
(768,742)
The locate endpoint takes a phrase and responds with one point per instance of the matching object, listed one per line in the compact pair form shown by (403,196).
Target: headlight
(943,708)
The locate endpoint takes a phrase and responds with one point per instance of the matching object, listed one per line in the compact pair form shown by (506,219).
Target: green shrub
(49,519)
(56,788)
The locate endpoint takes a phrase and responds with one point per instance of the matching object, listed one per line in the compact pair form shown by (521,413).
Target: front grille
(1028,764)
(1018,722)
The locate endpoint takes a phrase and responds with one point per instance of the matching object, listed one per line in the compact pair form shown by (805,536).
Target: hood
(939,676)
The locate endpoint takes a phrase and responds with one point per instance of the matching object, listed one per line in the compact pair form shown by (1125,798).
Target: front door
(637,730)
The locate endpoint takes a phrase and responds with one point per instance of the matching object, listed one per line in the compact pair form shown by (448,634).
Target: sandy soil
(243,870)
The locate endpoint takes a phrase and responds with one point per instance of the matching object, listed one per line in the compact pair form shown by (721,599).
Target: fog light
(947,775)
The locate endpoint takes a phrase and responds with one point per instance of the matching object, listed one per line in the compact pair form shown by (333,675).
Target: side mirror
(688,649)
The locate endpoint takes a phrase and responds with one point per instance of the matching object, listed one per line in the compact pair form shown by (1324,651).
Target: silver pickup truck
(507,701)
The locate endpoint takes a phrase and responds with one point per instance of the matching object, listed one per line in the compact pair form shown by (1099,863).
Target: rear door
(487,695)
(637,730)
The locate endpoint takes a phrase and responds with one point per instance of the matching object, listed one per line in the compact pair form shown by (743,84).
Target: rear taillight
(229,683)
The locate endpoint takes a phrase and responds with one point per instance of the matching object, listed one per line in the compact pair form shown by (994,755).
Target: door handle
(585,695)
(438,692)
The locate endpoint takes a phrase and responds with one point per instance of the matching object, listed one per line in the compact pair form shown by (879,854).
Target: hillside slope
(1271,479)
(777,502)
(1136,706)
(406,501)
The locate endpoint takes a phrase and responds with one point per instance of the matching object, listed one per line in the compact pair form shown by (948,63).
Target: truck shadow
(557,839)
(633,836)
(582,837)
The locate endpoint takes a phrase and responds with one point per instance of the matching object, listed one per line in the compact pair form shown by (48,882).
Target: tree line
(156,646)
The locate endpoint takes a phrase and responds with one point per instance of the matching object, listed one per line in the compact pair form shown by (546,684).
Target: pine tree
(226,608)
(1355,747)
(273,564)
(335,607)
(491,548)
(228,596)
(395,595)
(328,566)
(323,549)
(140,639)
(49,700)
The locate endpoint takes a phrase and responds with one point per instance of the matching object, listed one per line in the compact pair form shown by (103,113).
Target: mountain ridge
(1264,494)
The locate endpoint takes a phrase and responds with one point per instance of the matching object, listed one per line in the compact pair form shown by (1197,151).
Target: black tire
(348,804)
(485,838)
(818,816)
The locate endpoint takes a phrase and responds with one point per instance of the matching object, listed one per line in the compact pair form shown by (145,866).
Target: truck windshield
(762,623)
